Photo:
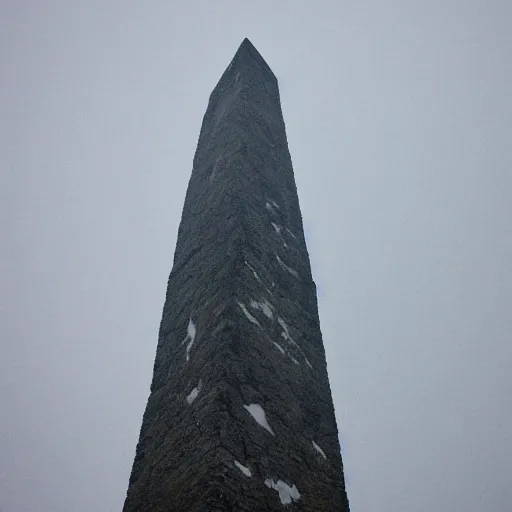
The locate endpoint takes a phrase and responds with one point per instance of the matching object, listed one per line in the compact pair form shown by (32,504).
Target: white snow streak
(279,347)
(193,394)
(243,469)
(254,272)
(291,234)
(286,334)
(257,412)
(264,307)
(267,311)
(248,315)
(286,493)
(287,337)
(271,206)
(190,337)
(319,450)
(276,227)
(286,267)
(191,329)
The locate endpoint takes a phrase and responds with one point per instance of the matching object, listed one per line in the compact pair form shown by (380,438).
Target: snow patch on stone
(286,493)
(292,271)
(193,394)
(279,347)
(254,272)
(264,307)
(248,315)
(319,450)
(277,227)
(190,337)
(257,412)
(287,337)
(257,277)
(286,333)
(282,323)
(246,471)
(293,236)
(271,207)
(267,310)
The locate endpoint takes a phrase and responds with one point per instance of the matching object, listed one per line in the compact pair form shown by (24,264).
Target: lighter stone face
(240,386)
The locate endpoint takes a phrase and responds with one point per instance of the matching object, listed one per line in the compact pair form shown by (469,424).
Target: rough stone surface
(242,277)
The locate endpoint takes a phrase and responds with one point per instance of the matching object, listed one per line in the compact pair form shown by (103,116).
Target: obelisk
(240,415)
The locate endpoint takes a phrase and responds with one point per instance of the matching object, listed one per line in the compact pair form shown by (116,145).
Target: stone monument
(240,415)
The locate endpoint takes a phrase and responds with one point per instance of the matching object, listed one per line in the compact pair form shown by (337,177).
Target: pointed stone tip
(246,42)
(246,47)
(247,51)
(247,57)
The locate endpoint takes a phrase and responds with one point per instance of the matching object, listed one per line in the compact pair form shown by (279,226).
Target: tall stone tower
(240,415)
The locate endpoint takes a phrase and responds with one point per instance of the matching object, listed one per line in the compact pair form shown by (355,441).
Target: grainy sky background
(399,122)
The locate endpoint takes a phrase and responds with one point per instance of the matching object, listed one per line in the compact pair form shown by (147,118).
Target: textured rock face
(240,415)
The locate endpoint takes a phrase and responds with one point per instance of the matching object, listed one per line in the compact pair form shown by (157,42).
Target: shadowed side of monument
(240,414)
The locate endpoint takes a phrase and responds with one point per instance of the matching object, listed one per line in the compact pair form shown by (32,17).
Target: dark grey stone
(230,257)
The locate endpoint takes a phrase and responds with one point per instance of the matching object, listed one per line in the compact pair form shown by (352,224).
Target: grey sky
(399,119)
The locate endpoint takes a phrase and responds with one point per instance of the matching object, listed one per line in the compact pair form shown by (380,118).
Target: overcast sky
(399,120)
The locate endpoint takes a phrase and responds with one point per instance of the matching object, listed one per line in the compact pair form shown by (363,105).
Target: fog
(398,117)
